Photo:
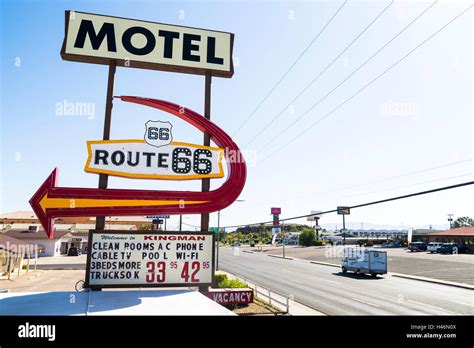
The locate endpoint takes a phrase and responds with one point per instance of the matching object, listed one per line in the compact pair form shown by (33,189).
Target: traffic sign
(343,210)
(214,229)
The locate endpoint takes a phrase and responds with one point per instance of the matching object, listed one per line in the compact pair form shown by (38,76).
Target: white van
(363,260)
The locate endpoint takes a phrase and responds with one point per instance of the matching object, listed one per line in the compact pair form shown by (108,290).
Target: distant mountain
(370,226)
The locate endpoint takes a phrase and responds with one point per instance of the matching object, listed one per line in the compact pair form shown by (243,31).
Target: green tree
(145,228)
(463,221)
(251,237)
(239,236)
(307,237)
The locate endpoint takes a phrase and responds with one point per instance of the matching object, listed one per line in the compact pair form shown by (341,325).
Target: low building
(47,246)
(461,235)
(12,253)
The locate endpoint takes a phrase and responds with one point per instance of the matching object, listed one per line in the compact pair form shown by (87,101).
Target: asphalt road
(455,268)
(326,289)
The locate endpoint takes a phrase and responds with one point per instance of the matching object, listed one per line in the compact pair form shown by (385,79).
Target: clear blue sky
(344,160)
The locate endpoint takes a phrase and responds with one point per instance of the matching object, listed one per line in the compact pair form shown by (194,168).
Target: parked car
(236,244)
(433,247)
(392,244)
(453,248)
(417,246)
(74,251)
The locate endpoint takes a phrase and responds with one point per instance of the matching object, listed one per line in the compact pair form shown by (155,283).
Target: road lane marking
(434,307)
(463,303)
(331,281)
(362,301)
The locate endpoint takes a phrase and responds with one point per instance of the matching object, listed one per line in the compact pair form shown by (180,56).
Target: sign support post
(344,229)
(218,238)
(206,183)
(104,178)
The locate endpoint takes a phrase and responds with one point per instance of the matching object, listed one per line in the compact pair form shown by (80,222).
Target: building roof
(19,215)
(24,215)
(10,243)
(126,218)
(461,231)
(25,235)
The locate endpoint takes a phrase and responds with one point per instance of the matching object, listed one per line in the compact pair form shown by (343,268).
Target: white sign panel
(137,159)
(148,259)
(317,215)
(99,39)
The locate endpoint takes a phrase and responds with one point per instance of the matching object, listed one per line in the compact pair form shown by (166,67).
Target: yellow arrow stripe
(47,203)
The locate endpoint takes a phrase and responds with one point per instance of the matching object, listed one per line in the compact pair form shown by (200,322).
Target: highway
(326,289)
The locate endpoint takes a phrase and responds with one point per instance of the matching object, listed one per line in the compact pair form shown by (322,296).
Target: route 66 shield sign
(158,133)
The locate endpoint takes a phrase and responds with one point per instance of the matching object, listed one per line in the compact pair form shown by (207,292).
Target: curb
(325,264)
(280,257)
(432,280)
(248,251)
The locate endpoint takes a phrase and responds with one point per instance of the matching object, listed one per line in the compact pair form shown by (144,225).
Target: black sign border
(146,65)
(156,285)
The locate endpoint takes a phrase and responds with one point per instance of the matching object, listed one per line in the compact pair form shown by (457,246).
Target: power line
(378,181)
(349,76)
(364,204)
(409,185)
(367,85)
(318,76)
(291,68)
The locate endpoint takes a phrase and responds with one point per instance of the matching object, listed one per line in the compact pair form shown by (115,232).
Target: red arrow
(51,201)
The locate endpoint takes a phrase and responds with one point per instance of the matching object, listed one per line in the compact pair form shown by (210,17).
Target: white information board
(148,259)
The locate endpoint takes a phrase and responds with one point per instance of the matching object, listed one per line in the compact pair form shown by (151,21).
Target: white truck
(363,260)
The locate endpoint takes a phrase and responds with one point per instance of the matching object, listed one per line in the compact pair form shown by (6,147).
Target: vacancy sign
(98,39)
(139,259)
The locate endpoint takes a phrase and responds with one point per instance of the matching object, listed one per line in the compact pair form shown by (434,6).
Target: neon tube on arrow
(51,201)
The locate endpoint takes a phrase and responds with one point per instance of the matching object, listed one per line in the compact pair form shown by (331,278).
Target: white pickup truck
(433,247)
(366,261)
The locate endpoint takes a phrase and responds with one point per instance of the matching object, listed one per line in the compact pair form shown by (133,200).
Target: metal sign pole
(205,187)
(218,238)
(344,229)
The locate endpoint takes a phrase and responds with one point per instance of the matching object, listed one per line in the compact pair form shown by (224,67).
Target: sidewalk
(295,308)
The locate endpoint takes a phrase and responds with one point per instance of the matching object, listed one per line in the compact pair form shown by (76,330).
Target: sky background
(417,116)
